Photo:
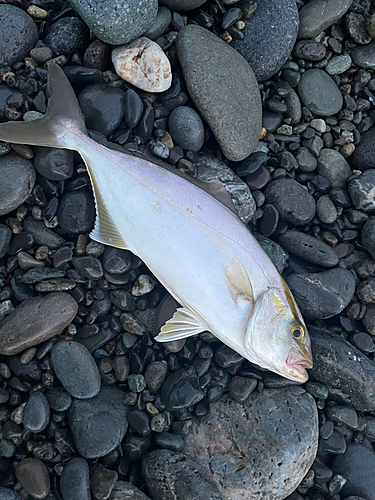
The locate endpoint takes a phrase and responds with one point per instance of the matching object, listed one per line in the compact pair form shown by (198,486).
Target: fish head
(277,337)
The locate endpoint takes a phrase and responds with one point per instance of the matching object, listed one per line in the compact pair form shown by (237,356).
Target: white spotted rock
(143,64)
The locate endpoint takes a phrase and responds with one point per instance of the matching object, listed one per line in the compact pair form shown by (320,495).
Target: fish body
(194,245)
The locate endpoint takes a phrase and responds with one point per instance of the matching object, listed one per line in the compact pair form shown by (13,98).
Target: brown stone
(32,475)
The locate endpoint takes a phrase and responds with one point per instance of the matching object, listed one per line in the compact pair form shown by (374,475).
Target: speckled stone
(75,480)
(333,166)
(319,93)
(318,15)
(17,179)
(182,5)
(364,56)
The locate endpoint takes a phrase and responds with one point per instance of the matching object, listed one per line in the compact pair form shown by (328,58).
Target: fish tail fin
(63,116)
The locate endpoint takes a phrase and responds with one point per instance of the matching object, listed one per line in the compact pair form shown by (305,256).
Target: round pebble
(319,93)
(36,413)
(18,179)
(33,476)
(75,480)
(186,128)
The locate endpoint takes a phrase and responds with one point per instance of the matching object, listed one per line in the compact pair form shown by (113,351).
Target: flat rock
(269,36)
(248,456)
(17,178)
(318,15)
(32,475)
(35,320)
(364,56)
(362,191)
(363,157)
(43,235)
(309,248)
(75,480)
(319,93)
(117,22)
(76,213)
(54,164)
(333,166)
(182,5)
(231,106)
(322,295)
(99,424)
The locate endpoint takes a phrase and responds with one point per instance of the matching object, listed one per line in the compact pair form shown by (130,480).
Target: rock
(98,424)
(118,22)
(364,154)
(76,369)
(59,400)
(66,36)
(17,178)
(333,166)
(89,267)
(126,491)
(269,38)
(209,168)
(186,128)
(7,494)
(54,164)
(240,388)
(319,93)
(310,50)
(266,458)
(368,319)
(143,64)
(338,65)
(362,191)
(181,389)
(326,210)
(35,320)
(364,56)
(102,482)
(18,34)
(35,416)
(75,480)
(231,106)
(76,213)
(309,248)
(161,22)
(318,15)
(274,251)
(144,284)
(322,295)
(360,479)
(32,475)
(133,108)
(182,5)
(169,441)
(171,474)
(103,107)
(5,236)
(40,273)
(155,375)
(292,201)
(42,235)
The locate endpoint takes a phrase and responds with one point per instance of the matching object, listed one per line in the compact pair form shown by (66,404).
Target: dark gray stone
(90,267)
(182,5)
(5,236)
(368,236)
(181,389)
(43,235)
(66,36)
(59,400)
(368,319)
(102,482)
(7,494)
(274,251)
(319,93)
(76,369)
(99,424)
(186,128)
(35,320)
(231,106)
(76,213)
(169,441)
(160,24)
(54,164)
(318,15)
(362,191)
(18,34)
(32,475)
(322,295)
(333,166)
(173,475)
(35,416)
(364,154)
(309,248)
(40,273)
(270,35)
(17,178)
(117,22)
(75,480)
(127,491)
(364,56)
(310,50)
(266,457)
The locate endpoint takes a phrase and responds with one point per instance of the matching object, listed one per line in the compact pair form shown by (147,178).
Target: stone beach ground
(276,100)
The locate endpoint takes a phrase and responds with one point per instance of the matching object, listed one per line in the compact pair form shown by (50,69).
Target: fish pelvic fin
(63,115)
(184,323)
(238,282)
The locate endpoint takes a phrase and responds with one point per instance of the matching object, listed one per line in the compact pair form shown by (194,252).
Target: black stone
(66,36)
(181,389)
(133,106)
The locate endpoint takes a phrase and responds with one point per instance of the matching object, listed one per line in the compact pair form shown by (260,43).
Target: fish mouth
(297,364)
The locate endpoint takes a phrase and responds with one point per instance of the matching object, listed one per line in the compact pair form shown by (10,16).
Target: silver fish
(195,246)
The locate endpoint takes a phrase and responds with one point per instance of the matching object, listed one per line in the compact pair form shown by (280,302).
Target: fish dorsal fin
(184,323)
(238,282)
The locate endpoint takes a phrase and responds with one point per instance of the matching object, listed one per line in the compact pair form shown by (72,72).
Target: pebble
(127,491)
(143,64)
(339,64)
(117,261)
(18,34)
(309,248)
(333,166)
(364,56)
(322,295)
(186,128)
(181,389)
(66,36)
(35,320)
(171,474)
(326,210)
(364,154)
(169,441)
(103,107)
(318,15)
(369,319)
(343,415)
(76,369)
(274,251)
(36,414)
(40,273)
(76,213)
(58,399)
(162,21)
(54,164)
(139,421)
(89,267)
(231,107)
(7,494)
(343,368)
(281,458)
(18,179)
(319,93)
(310,50)
(119,22)
(42,235)
(98,424)
(75,480)
(136,382)
(269,36)
(182,5)
(294,204)
(362,192)
(32,475)
(307,162)
(240,388)
(366,291)
(133,108)
(155,375)
(5,236)
(102,482)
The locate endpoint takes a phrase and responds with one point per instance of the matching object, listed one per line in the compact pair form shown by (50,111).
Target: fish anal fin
(239,282)
(184,323)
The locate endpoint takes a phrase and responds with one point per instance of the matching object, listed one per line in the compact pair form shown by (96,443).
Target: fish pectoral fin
(238,282)
(184,323)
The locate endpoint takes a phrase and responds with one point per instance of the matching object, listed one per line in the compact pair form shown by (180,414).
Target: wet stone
(363,342)
(136,382)
(186,128)
(310,50)
(5,236)
(143,285)
(364,56)
(76,213)
(338,65)
(169,441)
(274,251)
(226,357)
(54,164)
(155,375)
(75,480)
(361,191)
(127,491)
(333,166)
(133,108)
(117,261)
(319,93)
(161,22)
(364,154)
(318,15)
(309,248)
(58,399)
(43,235)
(181,389)
(368,236)
(36,413)
(139,421)
(89,267)
(369,319)
(326,210)
(343,415)
(102,482)
(335,444)
(123,300)
(240,388)
(32,474)
(40,273)
(251,163)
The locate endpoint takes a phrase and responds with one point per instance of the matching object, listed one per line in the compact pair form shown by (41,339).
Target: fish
(187,235)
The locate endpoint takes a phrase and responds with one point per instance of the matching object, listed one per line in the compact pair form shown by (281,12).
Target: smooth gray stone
(7,494)
(160,24)
(279,448)
(43,235)
(319,93)
(182,5)
(127,491)
(270,35)
(309,248)
(274,251)
(76,369)
(119,21)
(368,236)
(364,154)
(333,166)
(75,480)
(36,413)
(186,128)
(5,236)
(54,164)
(318,15)
(17,180)
(36,320)
(364,56)
(231,106)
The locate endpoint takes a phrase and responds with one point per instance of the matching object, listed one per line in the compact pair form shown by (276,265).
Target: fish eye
(297,331)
